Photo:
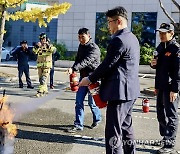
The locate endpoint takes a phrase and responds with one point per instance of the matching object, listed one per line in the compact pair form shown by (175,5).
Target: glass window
(101,34)
(143,25)
(22,28)
(9,28)
(47,29)
(34,28)
(9,43)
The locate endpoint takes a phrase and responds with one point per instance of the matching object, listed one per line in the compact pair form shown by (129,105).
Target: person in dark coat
(87,59)
(167,85)
(119,83)
(22,54)
(55,57)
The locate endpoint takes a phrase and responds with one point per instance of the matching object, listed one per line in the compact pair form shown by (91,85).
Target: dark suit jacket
(119,70)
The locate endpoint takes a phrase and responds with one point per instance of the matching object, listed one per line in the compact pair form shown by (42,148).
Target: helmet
(42,35)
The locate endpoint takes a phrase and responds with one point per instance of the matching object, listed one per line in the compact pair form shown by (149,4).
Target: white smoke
(32,104)
(24,108)
(8,145)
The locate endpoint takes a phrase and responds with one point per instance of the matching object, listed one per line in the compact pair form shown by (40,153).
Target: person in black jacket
(22,55)
(55,57)
(87,59)
(119,83)
(167,85)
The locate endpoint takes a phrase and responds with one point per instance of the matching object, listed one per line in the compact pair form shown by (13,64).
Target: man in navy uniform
(119,83)
(167,85)
(22,55)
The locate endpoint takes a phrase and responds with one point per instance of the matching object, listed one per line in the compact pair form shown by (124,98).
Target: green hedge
(146,54)
(62,49)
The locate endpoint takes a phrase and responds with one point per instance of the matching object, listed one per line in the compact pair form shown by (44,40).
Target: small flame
(6,118)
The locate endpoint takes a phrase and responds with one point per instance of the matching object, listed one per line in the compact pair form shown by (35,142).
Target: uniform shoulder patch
(178,54)
(167,53)
(177,45)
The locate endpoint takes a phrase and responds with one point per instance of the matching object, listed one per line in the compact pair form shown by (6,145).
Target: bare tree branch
(177,4)
(166,13)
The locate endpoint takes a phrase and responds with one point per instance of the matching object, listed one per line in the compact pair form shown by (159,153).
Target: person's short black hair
(117,11)
(83,31)
(23,42)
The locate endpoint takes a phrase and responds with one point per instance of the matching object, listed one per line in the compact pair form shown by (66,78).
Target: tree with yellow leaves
(35,14)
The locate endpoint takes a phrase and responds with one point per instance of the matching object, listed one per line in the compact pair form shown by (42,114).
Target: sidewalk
(64,64)
(61,65)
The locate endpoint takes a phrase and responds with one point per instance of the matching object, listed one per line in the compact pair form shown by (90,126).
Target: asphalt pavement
(42,122)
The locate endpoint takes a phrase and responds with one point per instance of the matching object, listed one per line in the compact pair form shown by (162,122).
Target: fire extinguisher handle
(70,71)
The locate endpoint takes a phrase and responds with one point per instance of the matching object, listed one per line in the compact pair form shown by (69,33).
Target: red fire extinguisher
(74,81)
(145,105)
(94,90)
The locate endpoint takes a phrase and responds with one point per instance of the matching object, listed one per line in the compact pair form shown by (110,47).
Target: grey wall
(19,30)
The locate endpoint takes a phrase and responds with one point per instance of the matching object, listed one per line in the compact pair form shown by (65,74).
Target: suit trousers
(167,115)
(119,131)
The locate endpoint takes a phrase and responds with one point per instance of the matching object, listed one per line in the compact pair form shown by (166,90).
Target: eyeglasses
(112,21)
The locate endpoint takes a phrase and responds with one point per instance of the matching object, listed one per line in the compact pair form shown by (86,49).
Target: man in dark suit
(119,83)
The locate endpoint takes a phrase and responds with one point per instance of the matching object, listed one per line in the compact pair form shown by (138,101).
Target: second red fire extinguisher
(145,105)
(94,90)
(74,81)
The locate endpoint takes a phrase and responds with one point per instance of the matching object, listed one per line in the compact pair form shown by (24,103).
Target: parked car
(32,56)
(5,54)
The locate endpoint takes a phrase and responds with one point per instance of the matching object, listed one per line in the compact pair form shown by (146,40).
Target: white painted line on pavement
(140,117)
(146,117)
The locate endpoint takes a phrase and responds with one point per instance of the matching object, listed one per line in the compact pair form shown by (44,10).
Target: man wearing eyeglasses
(119,83)
(167,85)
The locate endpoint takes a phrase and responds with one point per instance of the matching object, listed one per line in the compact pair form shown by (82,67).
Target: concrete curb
(62,65)
(31,67)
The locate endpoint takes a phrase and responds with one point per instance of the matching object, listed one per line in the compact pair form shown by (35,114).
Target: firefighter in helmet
(44,50)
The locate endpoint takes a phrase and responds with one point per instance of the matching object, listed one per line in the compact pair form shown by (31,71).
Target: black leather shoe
(30,87)
(20,86)
(51,87)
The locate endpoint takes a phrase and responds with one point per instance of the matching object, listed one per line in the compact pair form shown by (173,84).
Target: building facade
(90,13)
(20,30)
